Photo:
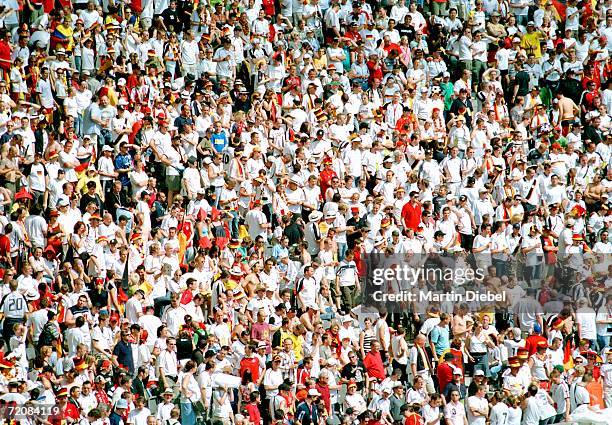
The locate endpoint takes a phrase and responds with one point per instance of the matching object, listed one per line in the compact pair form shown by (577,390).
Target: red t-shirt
(325,396)
(445,375)
(326,177)
(254,415)
(186,297)
(414,419)
(5,246)
(531,343)
(72,411)
(375,71)
(5,55)
(251,364)
(411,214)
(374,366)
(261,332)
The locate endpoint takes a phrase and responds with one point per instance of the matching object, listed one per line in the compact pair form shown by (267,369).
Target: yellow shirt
(298,343)
(284,335)
(82,184)
(320,63)
(531,43)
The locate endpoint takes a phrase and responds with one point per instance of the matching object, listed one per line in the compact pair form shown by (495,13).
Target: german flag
(568,360)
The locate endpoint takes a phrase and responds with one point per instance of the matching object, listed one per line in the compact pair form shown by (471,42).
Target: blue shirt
(219,141)
(278,250)
(123,351)
(122,162)
(440,338)
(115,419)
(89,126)
(307,415)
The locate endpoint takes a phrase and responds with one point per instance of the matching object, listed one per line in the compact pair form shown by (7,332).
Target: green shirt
(447,92)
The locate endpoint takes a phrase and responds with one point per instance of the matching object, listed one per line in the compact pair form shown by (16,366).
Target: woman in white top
(538,363)
(478,344)
(77,239)
(190,393)
(138,178)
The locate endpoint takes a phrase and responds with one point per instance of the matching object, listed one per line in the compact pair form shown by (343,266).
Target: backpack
(47,335)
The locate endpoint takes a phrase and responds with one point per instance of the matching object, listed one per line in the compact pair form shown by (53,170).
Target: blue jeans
(342,248)
(495,370)
(107,137)
(482,363)
(188,416)
(78,125)
(234,224)
(521,19)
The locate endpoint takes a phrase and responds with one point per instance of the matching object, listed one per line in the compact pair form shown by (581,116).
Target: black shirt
(592,134)
(571,88)
(171,20)
(359,223)
(184,348)
(521,79)
(406,30)
(356,373)
(466,104)
(87,198)
(98,298)
(123,351)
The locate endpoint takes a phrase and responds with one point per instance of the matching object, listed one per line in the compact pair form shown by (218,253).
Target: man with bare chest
(594,194)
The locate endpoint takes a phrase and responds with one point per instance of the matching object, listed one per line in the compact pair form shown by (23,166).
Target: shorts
(173,183)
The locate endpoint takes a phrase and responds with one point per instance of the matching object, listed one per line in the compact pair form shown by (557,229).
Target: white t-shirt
(272,378)
(132,307)
(46,94)
(585,318)
(499,414)
(479,403)
(14,306)
(254,220)
(532,412)
(454,413)
(189,52)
